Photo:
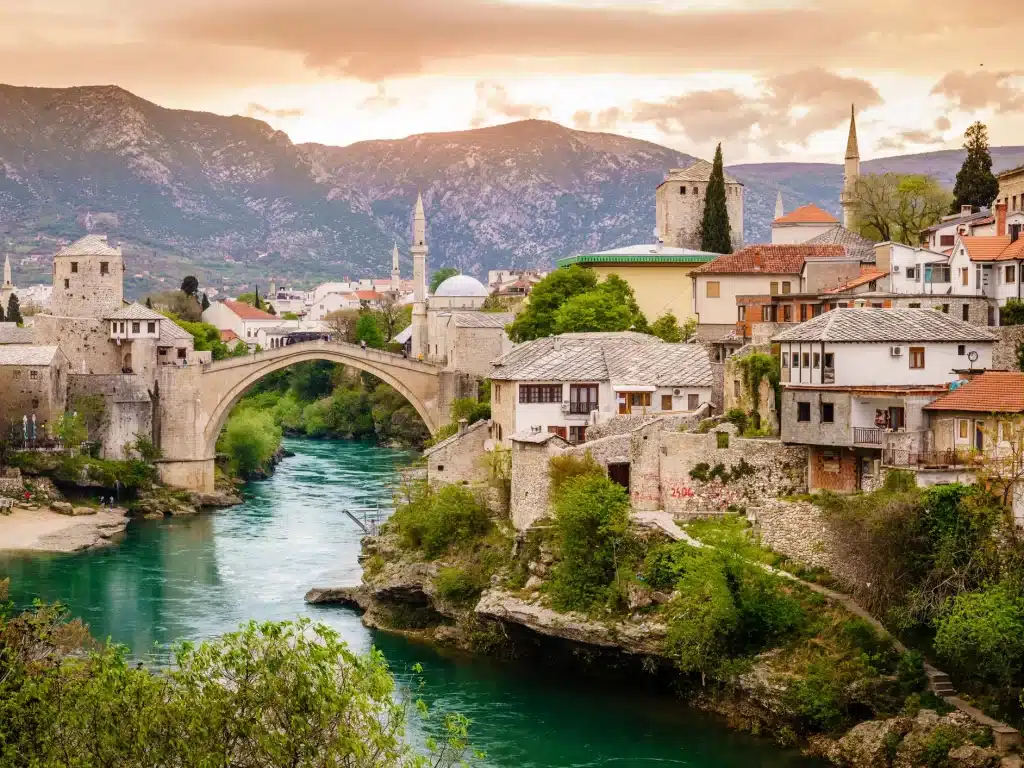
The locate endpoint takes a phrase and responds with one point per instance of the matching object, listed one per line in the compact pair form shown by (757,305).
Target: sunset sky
(771,79)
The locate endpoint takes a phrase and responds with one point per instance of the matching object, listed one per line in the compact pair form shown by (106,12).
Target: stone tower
(679,206)
(419,279)
(851,172)
(779,210)
(7,288)
(396,276)
(88,279)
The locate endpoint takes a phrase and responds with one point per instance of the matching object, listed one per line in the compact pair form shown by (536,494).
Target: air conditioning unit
(896,351)
(895,267)
(676,392)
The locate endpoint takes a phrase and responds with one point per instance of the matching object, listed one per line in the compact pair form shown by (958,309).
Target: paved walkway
(1004,735)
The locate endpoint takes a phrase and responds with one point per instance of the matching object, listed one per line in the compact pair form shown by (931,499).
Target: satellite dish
(488,445)
(972,356)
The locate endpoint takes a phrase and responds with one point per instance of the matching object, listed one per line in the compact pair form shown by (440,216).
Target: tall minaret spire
(779,210)
(420,343)
(7,287)
(851,172)
(396,276)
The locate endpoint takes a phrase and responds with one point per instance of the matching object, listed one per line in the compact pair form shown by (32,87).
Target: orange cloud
(973,91)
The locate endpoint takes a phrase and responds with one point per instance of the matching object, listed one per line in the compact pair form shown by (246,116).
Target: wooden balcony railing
(868,436)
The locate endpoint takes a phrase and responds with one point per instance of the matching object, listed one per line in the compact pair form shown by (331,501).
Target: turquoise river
(199,577)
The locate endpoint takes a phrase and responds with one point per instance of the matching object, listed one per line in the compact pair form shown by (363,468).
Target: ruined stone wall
(128,409)
(11,484)
(1004,354)
(531,484)
(84,341)
(460,459)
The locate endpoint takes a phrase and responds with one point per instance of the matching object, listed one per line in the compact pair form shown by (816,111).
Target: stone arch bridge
(193,402)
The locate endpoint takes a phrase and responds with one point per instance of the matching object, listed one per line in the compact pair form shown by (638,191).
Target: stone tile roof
(991,392)
(807,214)
(90,245)
(974,217)
(135,311)
(885,325)
(997,248)
(456,437)
(27,354)
(537,438)
(403,335)
(10,333)
(171,331)
(622,358)
(482,319)
(247,312)
(865,276)
(769,259)
(856,244)
(698,171)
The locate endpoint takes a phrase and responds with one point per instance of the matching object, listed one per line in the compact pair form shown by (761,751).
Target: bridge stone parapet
(193,402)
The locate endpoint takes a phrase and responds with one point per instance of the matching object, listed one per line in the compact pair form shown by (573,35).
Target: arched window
(127,366)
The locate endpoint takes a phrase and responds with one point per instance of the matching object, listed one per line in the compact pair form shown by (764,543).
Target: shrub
(436,521)
(983,634)
(562,469)
(591,523)
(900,481)
(664,564)
(461,585)
(738,417)
(767,615)
(250,440)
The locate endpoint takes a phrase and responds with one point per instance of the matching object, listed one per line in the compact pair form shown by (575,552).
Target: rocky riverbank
(60,527)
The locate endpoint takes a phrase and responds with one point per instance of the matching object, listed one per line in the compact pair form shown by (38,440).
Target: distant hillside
(234,201)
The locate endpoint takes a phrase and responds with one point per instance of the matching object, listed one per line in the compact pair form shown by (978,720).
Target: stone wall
(799,531)
(475,348)
(461,458)
(90,291)
(129,409)
(32,389)
(1004,354)
(626,423)
(11,484)
(737,396)
(84,341)
(531,484)
(679,216)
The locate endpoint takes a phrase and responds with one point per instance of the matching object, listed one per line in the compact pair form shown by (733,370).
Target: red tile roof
(866,276)
(769,259)
(367,295)
(991,392)
(994,248)
(226,335)
(247,312)
(807,214)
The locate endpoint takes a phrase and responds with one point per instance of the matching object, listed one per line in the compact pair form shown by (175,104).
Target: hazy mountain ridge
(235,201)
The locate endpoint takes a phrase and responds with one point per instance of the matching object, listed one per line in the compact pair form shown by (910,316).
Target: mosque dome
(461,286)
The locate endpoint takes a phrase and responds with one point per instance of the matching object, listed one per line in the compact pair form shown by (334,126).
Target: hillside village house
(855,383)
(562,384)
(942,235)
(246,321)
(1011,189)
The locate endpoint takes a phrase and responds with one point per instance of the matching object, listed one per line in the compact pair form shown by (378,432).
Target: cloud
(492,100)
(258,110)
(380,39)
(970,92)
(943,124)
(380,101)
(604,120)
(906,139)
(789,109)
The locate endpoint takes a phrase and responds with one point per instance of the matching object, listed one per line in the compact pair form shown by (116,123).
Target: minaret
(396,277)
(419,279)
(779,210)
(851,172)
(7,288)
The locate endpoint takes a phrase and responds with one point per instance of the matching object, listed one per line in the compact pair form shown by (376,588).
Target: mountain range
(236,202)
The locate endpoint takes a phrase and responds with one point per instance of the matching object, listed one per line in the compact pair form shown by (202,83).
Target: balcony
(934,459)
(868,436)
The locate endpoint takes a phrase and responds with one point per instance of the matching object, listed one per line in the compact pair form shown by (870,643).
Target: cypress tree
(14,310)
(206,302)
(714,230)
(149,303)
(976,185)
(1,312)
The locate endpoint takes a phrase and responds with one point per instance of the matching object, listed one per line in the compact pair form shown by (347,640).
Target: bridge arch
(232,378)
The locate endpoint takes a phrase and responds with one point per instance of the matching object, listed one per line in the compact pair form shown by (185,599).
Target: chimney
(860,303)
(1000,219)
(757,258)
(463,423)
(966,210)
(556,343)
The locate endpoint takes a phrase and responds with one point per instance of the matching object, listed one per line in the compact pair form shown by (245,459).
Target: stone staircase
(940,684)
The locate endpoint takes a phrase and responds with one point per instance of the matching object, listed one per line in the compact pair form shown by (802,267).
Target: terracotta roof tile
(769,259)
(367,295)
(991,392)
(226,335)
(866,276)
(247,312)
(807,214)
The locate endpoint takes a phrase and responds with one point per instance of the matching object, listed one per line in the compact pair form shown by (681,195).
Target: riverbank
(44,530)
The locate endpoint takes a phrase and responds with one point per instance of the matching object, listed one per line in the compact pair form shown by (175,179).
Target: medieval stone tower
(419,278)
(88,279)
(851,172)
(679,202)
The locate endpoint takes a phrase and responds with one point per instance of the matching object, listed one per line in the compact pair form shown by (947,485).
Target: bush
(738,417)
(461,585)
(109,473)
(435,521)
(562,469)
(591,528)
(983,634)
(250,439)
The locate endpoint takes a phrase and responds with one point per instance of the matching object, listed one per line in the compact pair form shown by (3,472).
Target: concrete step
(943,689)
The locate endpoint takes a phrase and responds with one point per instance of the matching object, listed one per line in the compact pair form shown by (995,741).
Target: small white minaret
(419,278)
(779,210)
(851,172)
(7,288)
(396,277)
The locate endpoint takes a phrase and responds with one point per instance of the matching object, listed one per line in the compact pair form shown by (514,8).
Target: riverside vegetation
(594,590)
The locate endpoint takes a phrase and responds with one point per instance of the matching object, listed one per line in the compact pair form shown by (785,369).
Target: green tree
(592,312)
(312,380)
(190,285)
(289,316)
(250,440)
(896,207)
(71,429)
(205,303)
(618,291)
(975,185)
(14,310)
(667,328)
(1012,313)
(714,229)
(367,330)
(149,303)
(440,276)
(537,319)
(983,634)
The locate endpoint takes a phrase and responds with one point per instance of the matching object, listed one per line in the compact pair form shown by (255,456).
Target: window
(877,305)
(696,191)
(796,359)
(817,360)
(787,287)
(714,289)
(911,273)
(136,327)
(773,288)
(640,399)
(33,374)
(577,434)
(560,431)
(497,393)
(787,314)
(961,349)
(964,276)
(785,364)
(692,401)
(35,402)
(914,305)
(181,353)
(742,312)
(828,413)
(666,402)
(104,267)
(966,312)
(917,357)
(829,360)
(151,327)
(540,393)
(17,374)
(74,267)
(1011,274)
(945,309)
(807,360)
(803,411)
(67,283)
(897,417)
(582,398)
(947,240)
(682,190)
(963,427)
